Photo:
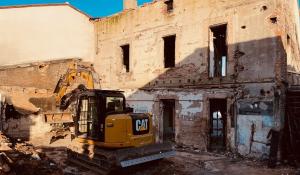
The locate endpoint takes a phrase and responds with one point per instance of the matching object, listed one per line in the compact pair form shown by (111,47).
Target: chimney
(129,4)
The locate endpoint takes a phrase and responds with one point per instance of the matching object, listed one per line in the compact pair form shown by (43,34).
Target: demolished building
(214,74)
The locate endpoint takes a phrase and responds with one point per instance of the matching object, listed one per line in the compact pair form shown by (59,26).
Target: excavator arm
(68,98)
(74,71)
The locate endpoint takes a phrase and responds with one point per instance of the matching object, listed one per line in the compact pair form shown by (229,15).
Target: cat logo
(141,125)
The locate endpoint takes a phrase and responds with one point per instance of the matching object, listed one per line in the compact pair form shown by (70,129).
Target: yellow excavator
(107,134)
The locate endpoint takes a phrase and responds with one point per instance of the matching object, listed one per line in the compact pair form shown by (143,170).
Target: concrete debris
(59,133)
(24,159)
(5,144)
(5,161)
(25,148)
(36,157)
(17,102)
(22,104)
(210,166)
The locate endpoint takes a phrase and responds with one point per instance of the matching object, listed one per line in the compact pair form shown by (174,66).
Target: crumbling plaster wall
(290,34)
(188,113)
(26,127)
(35,82)
(256,58)
(191,113)
(29,88)
(43,33)
(40,75)
(290,16)
(144,28)
(23,124)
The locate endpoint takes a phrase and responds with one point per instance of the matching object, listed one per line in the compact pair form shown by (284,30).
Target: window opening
(288,48)
(114,104)
(169,51)
(88,119)
(170,5)
(126,55)
(218,51)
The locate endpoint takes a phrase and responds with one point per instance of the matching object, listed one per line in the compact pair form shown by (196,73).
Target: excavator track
(87,164)
(91,157)
(103,161)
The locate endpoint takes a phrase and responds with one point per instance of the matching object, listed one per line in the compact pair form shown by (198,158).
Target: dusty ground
(40,158)
(184,163)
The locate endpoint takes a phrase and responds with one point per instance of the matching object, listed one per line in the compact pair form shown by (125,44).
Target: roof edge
(146,4)
(47,4)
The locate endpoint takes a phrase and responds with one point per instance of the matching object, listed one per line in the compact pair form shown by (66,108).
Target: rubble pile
(5,143)
(21,158)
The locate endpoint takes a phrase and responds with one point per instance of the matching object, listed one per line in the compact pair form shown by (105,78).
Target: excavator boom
(74,72)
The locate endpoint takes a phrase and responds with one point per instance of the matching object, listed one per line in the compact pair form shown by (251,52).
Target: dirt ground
(186,163)
(40,158)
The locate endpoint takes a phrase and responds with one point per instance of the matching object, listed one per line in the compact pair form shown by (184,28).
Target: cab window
(114,104)
(88,118)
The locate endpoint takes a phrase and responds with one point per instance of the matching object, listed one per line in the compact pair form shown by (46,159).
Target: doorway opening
(218,120)
(168,113)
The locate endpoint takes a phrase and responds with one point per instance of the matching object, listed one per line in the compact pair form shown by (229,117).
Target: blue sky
(95,8)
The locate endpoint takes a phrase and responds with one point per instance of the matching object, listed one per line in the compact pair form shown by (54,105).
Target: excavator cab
(93,107)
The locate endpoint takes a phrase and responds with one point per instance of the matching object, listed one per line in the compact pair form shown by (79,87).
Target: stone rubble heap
(21,158)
